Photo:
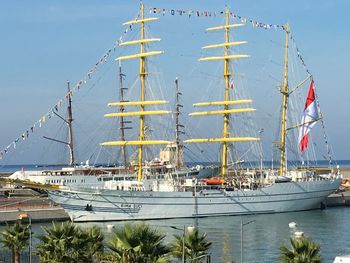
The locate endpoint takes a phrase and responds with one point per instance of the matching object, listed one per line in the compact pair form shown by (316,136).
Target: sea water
(263,237)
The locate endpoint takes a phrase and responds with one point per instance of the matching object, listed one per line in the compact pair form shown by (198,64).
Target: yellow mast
(226,98)
(285,94)
(226,111)
(142,95)
(142,103)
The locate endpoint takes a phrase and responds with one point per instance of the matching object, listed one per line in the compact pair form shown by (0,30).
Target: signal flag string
(50,113)
(198,13)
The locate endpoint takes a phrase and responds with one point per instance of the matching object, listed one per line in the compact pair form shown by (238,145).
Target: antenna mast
(70,128)
(178,125)
(121,110)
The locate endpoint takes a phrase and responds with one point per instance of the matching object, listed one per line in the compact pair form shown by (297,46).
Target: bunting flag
(309,118)
(197,13)
(232,85)
(299,55)
(103,59)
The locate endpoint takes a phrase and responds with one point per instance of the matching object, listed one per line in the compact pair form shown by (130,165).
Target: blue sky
(45,43)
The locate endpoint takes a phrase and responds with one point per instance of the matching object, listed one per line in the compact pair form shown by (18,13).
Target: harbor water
(262,238)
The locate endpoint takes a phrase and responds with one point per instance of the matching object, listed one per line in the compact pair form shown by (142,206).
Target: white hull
(112,205)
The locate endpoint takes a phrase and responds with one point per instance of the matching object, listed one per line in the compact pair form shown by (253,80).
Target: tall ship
(172,190)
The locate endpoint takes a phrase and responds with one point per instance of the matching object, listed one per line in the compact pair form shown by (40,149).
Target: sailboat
(165,188)
(157,193)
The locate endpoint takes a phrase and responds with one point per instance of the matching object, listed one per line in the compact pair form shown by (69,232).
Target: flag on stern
(309,118)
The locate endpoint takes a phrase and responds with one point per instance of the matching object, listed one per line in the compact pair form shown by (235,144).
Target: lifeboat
(214,181)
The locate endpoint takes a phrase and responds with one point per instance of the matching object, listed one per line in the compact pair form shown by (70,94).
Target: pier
(37,205)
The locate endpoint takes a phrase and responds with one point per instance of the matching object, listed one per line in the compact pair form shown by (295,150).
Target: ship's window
(107,179)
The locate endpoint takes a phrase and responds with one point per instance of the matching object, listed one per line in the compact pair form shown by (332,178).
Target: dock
(338,199)
(36,205)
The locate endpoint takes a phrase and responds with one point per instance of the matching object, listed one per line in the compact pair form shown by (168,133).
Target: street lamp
(183,241)
(294,230)
(190,229)
(26,216)
(242,225)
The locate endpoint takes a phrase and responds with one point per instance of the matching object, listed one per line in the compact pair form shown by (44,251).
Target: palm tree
(15,238)
(303,250)
(94,244)
(67,243)
(138,243)
(196,246)
(56,244)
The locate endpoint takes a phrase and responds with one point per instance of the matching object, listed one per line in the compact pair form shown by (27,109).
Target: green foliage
(303,250)
(65,242)
(196,246)
(138,243)
(132,243)
(15,238)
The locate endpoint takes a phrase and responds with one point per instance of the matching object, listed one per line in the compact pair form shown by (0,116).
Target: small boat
(214,181)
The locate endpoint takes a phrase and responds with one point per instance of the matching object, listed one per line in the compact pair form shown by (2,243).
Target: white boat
(160,195)
(342,259)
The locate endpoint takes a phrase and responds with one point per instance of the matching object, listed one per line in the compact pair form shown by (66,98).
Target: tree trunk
(17,257)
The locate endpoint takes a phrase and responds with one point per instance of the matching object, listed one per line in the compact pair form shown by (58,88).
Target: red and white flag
(309,118)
